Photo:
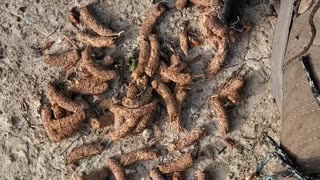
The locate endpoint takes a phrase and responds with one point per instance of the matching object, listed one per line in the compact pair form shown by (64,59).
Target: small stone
(147,133)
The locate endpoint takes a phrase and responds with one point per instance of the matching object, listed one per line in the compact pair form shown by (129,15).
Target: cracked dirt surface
(26,152)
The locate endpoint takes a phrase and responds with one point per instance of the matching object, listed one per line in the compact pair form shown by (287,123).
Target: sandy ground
(26,152)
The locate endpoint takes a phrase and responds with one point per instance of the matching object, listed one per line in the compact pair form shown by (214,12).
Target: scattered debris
(65,60)
(60,129)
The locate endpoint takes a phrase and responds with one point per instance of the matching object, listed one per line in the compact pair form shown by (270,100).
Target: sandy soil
(26,152)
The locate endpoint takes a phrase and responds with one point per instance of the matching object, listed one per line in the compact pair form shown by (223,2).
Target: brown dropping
(177,176)
(144,55)
(138,112)
(63,128)
(65,60)
(180,4)
(177,166)
(95,41)
(150,19)
(102,121)
(184,42)
(73,16)
(180,78)
(138,155)
(171,104)
(89,86)
(201,175)
(137,102)
(221,114)
(98,72)
(116,169)
(188,140)
(208,3)
(82,152)
(88,19)
(155,174)
(153,62)
(219,57)
(60,99)
(231,88)
(100,174)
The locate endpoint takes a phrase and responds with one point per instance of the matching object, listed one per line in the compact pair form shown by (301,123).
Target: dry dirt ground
(26,152)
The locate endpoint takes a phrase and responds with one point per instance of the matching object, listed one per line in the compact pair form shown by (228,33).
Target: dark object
(224,14)
(307,67)
(282,158)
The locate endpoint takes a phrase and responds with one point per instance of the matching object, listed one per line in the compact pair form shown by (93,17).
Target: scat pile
(130,115)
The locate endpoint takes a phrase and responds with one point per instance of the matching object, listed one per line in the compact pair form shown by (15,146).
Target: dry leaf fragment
(153,62)
(92,23)
(221,114)
(177,166)
(180,4)
(95,41)
(116,169)
(82,152)
(171,104)
(67,59)
(189,139)
(177,176)
(100,174)
(184,42)
(150,19)
(138,155)
(155,174)
(60,129)
(55,96)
